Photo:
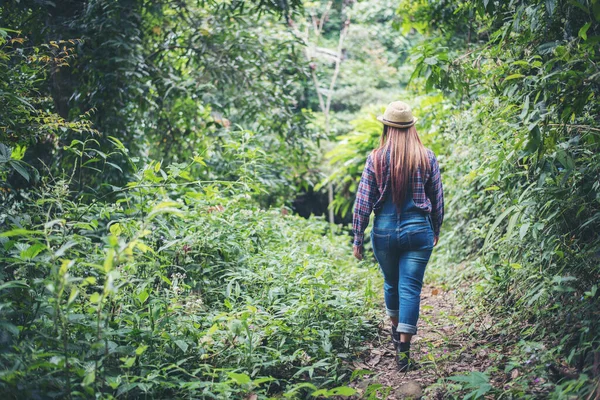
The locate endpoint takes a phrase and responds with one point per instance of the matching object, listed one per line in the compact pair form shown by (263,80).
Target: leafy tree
(172,73)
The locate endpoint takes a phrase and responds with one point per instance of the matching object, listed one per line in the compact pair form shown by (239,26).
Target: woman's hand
(358,252)
(435,240)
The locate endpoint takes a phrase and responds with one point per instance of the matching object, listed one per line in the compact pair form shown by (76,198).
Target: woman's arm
(366,196)
(435,193)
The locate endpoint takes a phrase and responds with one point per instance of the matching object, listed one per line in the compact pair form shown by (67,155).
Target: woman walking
(401,184)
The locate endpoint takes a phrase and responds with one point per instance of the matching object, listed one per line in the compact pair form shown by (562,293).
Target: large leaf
(496,223)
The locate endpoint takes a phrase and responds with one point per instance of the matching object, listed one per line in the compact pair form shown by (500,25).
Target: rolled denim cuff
(406,328)
(392,313)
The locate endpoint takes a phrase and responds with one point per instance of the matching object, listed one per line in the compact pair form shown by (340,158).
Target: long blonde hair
(407,156)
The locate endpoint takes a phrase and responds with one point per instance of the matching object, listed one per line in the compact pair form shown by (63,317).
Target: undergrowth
(175,289)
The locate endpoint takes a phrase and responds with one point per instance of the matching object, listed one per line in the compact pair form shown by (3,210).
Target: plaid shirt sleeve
(435,193)
(365,199)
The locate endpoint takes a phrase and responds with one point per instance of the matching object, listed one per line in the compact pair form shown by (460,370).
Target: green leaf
(73,295)
(212,330)
(166,280)
(511,224)
(20,232)
(299,386)
(583,31)
(95,298)
(165,207)
(578,4)
(90,280)
(18,152)
(258,381)
(10,328)
(17,165)
(550,6)
(14,285)
(127,361)
(523,230)
(89,378)
(140,350)
(240,379)
(32,251)
(5,153)
(514,76)
(109,260)
(496,223)
(342,391)
(118,143)
(480,391)
(182,345)
(115,166)
(199,160)
(473,379)
(63,249)
(115,229)
(143,247)
(66,264)
(143,296)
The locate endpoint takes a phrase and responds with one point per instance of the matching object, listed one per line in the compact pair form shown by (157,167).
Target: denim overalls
(402,244)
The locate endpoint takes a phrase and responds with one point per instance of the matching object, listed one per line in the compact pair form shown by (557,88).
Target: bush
(174,289)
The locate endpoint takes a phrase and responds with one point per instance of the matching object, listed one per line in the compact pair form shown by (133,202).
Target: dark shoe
(395,338)
(403,356)
(410,366)
(403,360)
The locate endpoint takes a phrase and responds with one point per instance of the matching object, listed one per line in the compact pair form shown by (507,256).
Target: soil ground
(441,347)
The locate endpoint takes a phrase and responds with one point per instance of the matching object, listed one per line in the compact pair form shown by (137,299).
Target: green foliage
(179,288)
(27,119)
(507,96)
(129,276)
(166,81)
(349,157)
(126,276)
(521,169)
(475,381)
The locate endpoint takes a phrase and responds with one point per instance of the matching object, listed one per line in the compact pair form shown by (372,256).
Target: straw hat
(398,114)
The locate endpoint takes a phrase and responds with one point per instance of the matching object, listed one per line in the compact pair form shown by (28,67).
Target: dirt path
(441,348)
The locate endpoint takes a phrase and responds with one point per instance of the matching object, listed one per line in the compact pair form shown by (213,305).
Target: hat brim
(397,125)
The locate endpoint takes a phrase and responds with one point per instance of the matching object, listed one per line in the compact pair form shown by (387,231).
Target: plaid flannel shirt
(428,195)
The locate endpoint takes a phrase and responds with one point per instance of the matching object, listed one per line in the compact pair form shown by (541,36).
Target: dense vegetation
(152,155)
(174,291)
(508,95)
(142,144)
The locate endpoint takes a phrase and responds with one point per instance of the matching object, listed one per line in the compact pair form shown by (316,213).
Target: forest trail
(160,163)
(442,348)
